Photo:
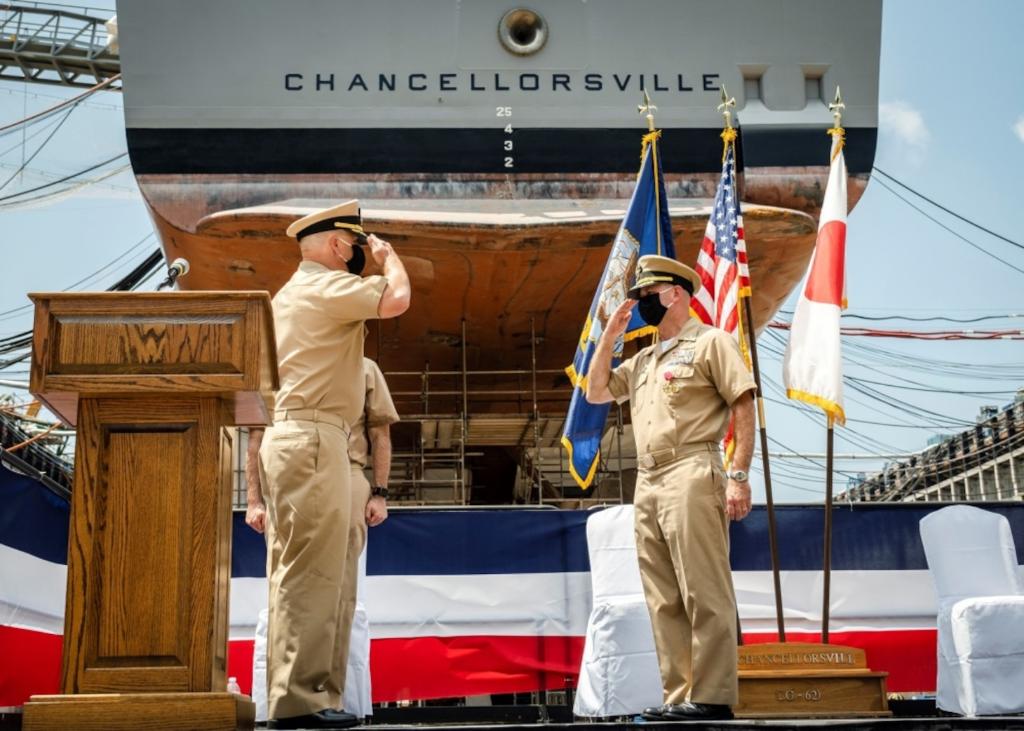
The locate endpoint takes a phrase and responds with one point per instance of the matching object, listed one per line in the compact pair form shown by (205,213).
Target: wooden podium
(151,381)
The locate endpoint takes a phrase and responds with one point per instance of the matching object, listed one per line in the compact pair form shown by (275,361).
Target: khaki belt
(322,417)
(663,456)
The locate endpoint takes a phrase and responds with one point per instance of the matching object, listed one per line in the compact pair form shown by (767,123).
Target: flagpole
(585,420)
(648,109)
(765,466)
(729,137)
(836,107)
(827,563)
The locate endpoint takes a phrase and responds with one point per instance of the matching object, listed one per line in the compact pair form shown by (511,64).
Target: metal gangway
(50,44)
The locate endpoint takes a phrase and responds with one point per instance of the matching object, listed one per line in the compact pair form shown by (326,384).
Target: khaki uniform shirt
(682,395)
(318,318)
(379,410)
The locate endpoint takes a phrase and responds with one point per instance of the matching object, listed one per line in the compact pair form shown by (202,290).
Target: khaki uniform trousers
(307,488)
(682,540)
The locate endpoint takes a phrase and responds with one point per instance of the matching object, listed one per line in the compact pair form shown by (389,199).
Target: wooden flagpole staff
(797,679)
(836,107)
(729,138)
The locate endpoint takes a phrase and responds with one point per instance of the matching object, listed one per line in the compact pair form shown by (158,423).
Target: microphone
(178,268)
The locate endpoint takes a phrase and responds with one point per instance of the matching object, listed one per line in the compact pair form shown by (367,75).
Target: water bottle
(233,685)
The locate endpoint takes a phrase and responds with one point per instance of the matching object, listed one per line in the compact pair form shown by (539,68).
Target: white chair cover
(619,674)
(259,666)
(357,697)
(973,562)
(357,678)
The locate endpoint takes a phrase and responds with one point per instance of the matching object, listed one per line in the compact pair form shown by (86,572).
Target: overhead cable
(867,332)
(124,254)
(954,214)
(940,224)
(911,318)
(24,163)
(63,179)
(7,128)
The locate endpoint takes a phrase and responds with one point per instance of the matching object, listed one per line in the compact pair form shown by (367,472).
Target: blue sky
(951,126)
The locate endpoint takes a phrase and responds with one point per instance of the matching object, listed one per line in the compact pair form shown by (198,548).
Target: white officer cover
(619,674)
(973,563)
(357,678)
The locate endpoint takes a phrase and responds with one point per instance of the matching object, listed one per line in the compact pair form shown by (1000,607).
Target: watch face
(738,475)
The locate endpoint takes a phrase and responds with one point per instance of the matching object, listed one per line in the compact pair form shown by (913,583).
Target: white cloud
(1018,127)
(902,120)
(903,127)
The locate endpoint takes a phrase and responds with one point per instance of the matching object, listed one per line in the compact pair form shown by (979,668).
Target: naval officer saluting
(319,318)
(371,435)
(681,391)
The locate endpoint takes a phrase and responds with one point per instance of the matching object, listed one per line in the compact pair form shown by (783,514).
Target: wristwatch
(379,491)
(737,475)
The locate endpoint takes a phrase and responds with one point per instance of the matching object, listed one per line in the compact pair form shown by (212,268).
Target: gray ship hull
(500,176)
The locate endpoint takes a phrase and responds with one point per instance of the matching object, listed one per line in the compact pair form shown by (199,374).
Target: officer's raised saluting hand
(619,320)
(380,249)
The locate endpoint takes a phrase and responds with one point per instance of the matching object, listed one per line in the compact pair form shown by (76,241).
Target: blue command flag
(646,229)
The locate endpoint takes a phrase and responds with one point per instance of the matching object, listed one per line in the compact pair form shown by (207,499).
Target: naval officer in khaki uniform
(305,476)
(371,434)
(681,391)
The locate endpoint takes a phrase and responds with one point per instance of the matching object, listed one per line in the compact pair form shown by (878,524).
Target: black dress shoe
(654,713)
(328,718)
(696,712)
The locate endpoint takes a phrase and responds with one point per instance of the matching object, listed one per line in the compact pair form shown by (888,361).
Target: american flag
(722,266)
(722,262)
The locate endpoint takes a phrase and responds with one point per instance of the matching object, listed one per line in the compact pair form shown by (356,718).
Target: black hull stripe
(340,151)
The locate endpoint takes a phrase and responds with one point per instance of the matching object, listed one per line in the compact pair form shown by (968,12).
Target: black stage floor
(932,723)
(908,716)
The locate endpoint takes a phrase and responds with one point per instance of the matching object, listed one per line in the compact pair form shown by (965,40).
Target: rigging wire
(63,179)
(1015,334)
(891,401)
(108,265)
(849,358)
(940,224)
(39,95)
(911,318)
(43,128)
(24,163)
(954,214)
(922,387)
(70,189)
(50,111)
(141,273)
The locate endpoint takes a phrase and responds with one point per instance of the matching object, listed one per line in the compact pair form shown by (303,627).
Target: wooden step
(806,680)
(133,711)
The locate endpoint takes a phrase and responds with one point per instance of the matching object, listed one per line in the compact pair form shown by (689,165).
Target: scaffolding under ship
(496,147)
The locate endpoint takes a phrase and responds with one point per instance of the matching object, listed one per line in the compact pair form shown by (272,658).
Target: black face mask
(651,310)
(358,260)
